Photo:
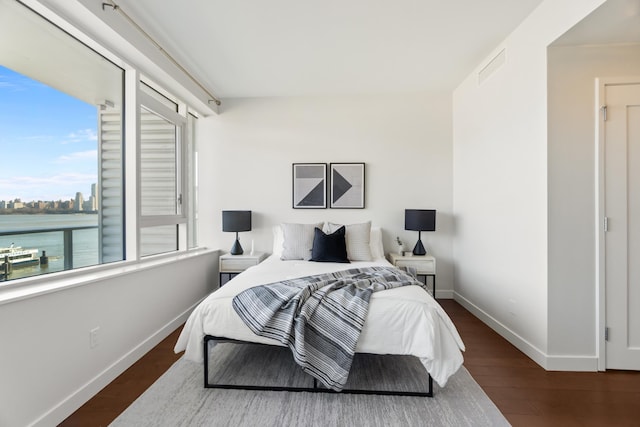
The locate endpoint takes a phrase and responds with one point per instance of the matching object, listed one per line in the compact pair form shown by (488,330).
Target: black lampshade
(236,221)
(420,220)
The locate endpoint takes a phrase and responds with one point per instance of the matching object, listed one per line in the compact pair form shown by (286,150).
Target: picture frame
(309,185)
(347,188)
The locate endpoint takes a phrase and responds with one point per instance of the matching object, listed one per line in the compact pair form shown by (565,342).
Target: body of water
(85,242)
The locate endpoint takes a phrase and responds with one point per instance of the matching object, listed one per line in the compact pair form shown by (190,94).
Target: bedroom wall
(572,193)
(500,182)
(47,368)
(405,140)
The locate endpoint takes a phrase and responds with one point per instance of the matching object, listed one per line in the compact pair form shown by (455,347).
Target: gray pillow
(358,237)
(298,241)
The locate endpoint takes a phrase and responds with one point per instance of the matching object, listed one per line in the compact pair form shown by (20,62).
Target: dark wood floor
(525,393)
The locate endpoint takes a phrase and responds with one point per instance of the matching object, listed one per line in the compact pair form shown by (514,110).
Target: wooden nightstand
(424,264)
(232,265)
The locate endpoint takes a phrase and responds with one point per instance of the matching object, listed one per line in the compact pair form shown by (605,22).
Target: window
(62,198)
(61,139)
(163,149)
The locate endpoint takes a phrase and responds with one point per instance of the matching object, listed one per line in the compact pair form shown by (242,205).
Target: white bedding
(405,320)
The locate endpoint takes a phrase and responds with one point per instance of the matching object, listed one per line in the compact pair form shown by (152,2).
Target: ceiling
(252,48)
(615,22)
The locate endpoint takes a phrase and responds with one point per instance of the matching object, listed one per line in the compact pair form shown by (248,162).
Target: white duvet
(403,321)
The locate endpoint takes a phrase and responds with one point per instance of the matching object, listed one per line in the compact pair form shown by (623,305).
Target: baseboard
(572,363)
(520,343)
(74,401)
(444,294)
(548,362)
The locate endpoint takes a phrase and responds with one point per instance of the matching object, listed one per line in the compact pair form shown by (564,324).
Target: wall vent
(492,66)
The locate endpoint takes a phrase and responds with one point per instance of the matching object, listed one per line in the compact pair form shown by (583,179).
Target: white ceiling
(241,48)
(616,21)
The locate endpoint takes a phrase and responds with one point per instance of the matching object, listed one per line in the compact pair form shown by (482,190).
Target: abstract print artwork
(347,185)
(309,185)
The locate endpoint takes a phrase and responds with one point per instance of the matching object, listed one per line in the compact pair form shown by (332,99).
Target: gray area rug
(178,398)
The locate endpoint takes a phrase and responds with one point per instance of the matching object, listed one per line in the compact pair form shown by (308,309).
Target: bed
(402,321)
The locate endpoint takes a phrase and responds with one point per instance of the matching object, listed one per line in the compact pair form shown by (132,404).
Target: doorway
(619,222)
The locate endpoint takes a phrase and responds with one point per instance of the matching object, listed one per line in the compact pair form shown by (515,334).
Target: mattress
(400,321)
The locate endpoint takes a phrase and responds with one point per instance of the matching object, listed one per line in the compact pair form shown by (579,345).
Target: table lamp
(236,221)
(420,220)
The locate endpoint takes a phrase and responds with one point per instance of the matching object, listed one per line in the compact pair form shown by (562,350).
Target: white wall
(47,369)
(405,140)
(500,182)
(572,177)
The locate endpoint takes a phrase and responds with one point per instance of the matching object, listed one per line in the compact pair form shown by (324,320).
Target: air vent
(492,66)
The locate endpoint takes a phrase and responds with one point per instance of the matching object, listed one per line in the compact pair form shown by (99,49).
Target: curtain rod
(117,8)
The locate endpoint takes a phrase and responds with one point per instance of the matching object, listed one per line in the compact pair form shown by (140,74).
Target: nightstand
(424,264)
(232,265)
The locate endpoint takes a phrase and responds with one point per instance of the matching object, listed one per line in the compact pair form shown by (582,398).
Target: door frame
(600,255)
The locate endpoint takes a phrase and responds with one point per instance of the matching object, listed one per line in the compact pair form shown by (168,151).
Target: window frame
(179,219)
(133,100)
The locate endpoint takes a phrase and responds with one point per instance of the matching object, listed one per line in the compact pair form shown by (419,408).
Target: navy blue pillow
(329,247)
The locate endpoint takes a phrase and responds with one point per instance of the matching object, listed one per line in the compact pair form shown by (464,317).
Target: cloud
(5,83)
(78,156)
(82,135)
(61,178)
(54,187)
(17,82)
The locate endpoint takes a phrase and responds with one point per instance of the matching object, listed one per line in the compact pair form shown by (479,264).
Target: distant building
(89,205)
(16,204)
(3,204)
(79,201)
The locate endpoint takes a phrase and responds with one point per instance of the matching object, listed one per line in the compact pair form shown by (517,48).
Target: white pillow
(278,240)
(375,243)
(358,237)
(298,241)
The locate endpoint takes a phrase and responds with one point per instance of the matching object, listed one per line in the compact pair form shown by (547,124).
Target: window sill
(30,287)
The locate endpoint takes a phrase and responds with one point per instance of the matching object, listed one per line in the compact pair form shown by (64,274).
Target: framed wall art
(347,185)
(309,185)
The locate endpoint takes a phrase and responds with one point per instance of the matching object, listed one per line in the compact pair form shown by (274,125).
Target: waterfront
(85,242)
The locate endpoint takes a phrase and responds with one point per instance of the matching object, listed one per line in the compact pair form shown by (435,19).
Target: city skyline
(76,203)
(48,140)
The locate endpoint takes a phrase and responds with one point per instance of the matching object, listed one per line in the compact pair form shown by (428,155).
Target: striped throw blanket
(319,317)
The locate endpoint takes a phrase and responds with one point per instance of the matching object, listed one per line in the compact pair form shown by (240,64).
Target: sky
(48,141)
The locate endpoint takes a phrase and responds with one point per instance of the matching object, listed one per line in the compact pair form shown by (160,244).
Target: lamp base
(419,248)
(236,249)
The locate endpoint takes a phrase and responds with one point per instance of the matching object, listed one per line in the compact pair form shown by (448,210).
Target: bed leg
(206,361)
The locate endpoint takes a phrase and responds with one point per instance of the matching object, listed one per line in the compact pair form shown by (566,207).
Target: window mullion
(132,164)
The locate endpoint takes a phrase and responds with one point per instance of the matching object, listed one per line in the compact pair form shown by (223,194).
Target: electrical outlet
(93,337)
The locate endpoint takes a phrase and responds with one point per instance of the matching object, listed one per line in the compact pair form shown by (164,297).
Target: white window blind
(110,184)
(158,165)
(160,172)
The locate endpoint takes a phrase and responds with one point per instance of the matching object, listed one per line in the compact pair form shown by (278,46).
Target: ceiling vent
(492,66)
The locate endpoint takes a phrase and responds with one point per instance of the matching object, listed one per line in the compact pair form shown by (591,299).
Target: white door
(622,210)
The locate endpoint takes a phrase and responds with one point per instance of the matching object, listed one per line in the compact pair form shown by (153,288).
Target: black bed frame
(315,389)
